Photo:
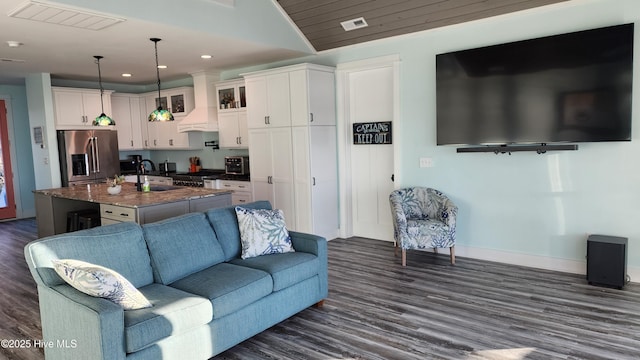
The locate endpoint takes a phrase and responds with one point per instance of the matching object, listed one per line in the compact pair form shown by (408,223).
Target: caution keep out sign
(372,133)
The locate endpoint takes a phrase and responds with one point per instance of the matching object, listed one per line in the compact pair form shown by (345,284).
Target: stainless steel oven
(236,165)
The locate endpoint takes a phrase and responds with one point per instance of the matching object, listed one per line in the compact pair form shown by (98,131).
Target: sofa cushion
(285,269)
(262,232)
(229,287)
(225,224)
(120,247)
(173,312)
(99,281)
(181,246)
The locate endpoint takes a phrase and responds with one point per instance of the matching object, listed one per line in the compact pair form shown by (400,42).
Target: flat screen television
(573,87)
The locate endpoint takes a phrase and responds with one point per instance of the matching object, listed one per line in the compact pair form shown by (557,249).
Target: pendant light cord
(155,40)
(98,57)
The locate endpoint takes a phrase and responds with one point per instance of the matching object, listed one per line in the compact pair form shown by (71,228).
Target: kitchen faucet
(142,168)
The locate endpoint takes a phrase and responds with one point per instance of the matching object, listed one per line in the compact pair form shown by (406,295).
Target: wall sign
(372,133)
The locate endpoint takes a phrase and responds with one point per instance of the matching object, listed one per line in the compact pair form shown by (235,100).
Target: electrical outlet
(426,162)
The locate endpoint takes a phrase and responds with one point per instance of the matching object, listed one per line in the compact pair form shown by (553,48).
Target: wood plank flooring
(378,310)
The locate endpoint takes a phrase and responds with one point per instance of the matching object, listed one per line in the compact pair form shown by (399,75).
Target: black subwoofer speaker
(607,260)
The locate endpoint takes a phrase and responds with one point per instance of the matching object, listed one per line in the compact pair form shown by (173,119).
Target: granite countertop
(129,196)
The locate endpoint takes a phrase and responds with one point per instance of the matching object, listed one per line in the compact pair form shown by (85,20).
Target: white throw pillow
(262,232)
(99,281)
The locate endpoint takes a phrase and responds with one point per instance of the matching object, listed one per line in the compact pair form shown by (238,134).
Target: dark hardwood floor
(378,310)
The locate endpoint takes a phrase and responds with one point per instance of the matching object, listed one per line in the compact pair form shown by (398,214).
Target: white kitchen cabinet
(242,193)
(269,101)
(233,131)
(127,115)
(272,169)
(316,179)
(232,114)
(231,95)
(307,147)
(77,108)
(164,134)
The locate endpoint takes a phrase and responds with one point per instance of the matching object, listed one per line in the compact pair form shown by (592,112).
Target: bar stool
(82,219)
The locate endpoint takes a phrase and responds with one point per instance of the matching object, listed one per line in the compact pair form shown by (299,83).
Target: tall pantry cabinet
(292,136)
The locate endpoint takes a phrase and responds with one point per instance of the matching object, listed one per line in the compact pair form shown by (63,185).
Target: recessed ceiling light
(162,66)
(354,24)
(205,56)
(12,43)
(126,75)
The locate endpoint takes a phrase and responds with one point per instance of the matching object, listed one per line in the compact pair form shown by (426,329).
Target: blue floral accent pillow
(99,281)
(262,232)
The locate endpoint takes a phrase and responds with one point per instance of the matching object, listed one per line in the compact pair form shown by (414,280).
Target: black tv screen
(573,87)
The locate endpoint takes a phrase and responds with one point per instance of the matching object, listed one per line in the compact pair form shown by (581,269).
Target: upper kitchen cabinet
(312,96)
(231,96)
(269,102)
(77,108)
(232,114)
(127,115)
(165,135)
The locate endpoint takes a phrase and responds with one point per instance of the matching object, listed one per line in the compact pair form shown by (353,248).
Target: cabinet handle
(131,143)
(314,181)
(239,140)
(155,142)
(265,120)
(269,181)
(146,143)
(124,214)
(170,142)
(311,117)
(108,211)
(227,185)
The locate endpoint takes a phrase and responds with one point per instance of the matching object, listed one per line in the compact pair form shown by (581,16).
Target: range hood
(204,117)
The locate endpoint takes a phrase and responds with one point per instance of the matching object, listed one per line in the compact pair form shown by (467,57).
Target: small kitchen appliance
(236,165)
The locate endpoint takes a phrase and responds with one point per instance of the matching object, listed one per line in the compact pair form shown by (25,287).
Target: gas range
(195,179)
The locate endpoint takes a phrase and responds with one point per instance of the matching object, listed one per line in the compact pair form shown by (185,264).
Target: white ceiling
(246,33)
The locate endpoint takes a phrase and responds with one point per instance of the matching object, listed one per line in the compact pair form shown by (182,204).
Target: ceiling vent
(55,14)
(11,60)
(354,24)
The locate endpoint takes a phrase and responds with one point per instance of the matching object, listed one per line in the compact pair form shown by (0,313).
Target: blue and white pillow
(262,232)
(99,281)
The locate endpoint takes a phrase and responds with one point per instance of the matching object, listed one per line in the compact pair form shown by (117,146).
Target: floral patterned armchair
(423,218)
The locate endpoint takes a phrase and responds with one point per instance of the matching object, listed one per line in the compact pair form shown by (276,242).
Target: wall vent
(55,14)
(354,24)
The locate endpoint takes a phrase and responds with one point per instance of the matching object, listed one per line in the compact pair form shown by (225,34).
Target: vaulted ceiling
(319,20)
(61,37)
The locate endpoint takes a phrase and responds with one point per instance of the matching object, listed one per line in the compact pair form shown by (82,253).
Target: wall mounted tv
(573,87)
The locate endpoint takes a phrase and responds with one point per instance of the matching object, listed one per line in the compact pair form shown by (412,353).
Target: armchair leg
(453,255)
(404,257)
(395,248)
(435,250)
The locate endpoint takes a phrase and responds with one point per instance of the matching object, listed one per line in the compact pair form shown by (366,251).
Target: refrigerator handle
(97,158)
(92,149)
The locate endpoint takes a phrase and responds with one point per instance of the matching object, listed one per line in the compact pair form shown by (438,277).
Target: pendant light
(159,114)
(102,119)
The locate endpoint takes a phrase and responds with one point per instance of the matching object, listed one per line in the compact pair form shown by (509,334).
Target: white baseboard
(534,261)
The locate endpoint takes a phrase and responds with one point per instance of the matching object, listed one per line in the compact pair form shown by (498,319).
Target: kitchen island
(53,205)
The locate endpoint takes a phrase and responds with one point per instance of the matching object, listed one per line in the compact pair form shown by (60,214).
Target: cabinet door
(243,130)
(282,173)
(260,155)
(228,130)
(257,108)
(122,116)
(278,100)
(92,107)
(312,97)
(302,178)
(68,109)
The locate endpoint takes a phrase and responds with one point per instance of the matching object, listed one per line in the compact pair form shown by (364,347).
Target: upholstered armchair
(423,218)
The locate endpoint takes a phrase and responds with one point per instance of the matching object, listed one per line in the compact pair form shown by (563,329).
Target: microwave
(236,165)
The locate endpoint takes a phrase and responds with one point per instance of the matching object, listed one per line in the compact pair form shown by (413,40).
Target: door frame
(12,156)
(343,71)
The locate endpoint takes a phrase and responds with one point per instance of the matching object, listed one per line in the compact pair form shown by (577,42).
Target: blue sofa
(205,298)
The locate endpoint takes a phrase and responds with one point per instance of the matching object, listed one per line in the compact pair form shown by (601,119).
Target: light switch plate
(426,162)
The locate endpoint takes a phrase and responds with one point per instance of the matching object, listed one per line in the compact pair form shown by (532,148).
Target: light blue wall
(15,96)
(539,205)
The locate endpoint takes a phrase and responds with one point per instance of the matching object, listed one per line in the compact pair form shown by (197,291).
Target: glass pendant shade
(102,119)
(159,114)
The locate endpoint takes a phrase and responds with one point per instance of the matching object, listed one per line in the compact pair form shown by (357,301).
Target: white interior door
(371,98)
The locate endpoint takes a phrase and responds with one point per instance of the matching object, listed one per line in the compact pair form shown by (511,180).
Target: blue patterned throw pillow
(262,232)
(99,281)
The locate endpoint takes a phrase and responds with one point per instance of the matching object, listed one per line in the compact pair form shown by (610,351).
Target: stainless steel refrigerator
(87,156)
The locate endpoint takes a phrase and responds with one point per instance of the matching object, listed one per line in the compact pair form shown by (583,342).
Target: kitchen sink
(164,187)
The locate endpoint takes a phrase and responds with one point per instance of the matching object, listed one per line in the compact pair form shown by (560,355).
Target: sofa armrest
(316,245)
(79,326)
